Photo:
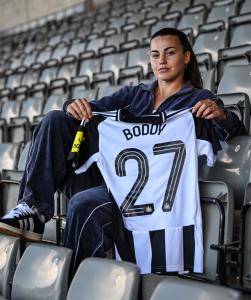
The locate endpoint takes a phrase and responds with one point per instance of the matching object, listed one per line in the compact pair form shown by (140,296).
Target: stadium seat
(19,127)
(67,68)
(42,273)
(80,92)
(77,46)
(158,12)
(238,55)
(135,37)
(54,39)
(236,78)
(245,244)
(111,64)
(83,32)
(30,58)
(222,10)
(31,76)
(68,35)
(210,42)
(113,43)
(208,79)
(48,72)
(239,29)
(180,6)
(226,181)
(54,102)
(208,3)
(137,67)
(87,67)
(135,18)
(169,20)
(240,105)
(246,7)
(234,154)
(14,77)
(45,54)
(9,247)
(99,26)
(176,288)
(106,279)
(95,44)
(108,90)
(217,205)
(193,17)
(117,23)
(59,51)
(10,182)
(10,109)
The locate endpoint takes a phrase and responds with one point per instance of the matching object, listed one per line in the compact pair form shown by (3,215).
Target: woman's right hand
(80,109)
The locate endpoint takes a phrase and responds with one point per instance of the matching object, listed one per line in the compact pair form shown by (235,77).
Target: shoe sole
(13,231)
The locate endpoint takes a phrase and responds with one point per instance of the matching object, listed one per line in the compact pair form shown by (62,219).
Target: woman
(89,218)
(89,226)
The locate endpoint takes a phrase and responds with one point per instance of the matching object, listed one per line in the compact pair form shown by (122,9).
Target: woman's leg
(89,224)
(46,164)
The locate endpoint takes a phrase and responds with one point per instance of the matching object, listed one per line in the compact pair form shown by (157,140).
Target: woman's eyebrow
(164,49)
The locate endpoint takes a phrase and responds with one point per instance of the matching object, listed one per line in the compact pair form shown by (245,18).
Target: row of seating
(108,17)
(42,272)
(59,46)
(18,118)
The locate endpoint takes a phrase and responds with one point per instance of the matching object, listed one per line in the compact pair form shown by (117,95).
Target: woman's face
(167,58)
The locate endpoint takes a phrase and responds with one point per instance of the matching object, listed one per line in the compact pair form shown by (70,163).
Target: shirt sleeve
(231,126)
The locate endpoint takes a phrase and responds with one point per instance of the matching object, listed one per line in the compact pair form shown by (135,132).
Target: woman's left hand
(208,109)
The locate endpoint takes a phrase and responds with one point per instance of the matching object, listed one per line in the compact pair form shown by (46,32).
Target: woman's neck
(165,90)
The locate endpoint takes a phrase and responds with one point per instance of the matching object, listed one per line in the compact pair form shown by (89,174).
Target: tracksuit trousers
(88,228)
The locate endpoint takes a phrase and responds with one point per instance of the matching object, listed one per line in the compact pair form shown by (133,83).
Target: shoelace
(21,209)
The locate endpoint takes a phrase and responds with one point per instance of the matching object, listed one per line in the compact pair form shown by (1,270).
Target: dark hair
(192,71)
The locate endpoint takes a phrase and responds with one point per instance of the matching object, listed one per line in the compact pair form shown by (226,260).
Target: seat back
(241,35)
(240,105)
(139,57)
(10,109)
(138,34)
(8,257)
(77,47)
(60,51)
(31,107)
(232,166)
(95,44)
(23,157)
(89,94)
(222,10)
(210,42)
(113,63)
(246,246)
(236,79)
(106,279)
(208,79)
(193,17)
(90,66)
(185,289)
(54,102)
(42,273)
(108,90)
(9,155)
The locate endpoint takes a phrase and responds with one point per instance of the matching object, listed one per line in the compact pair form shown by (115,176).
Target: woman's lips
(163,70)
